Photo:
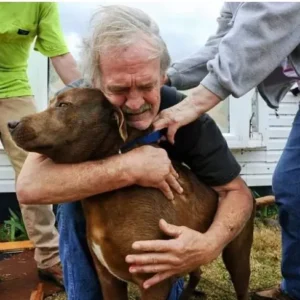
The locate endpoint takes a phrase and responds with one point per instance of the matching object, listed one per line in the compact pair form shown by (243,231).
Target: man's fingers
(165,188)
(149,268)
(174,184)
(157,278)
(170,229)
(172,129)
(153,245)
(160,124)
(174,172)
(163,119)
(149,259)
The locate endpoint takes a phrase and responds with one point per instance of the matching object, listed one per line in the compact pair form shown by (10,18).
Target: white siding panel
(279,132)
(286,109)
(7,172)
(258,180)
(257,156)
(290,98)
(247,156)
(281,121)
(258,165)
(4,161)
(276,144)
(258,168)
(7,186)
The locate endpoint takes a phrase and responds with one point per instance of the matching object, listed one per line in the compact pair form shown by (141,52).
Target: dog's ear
(51,101)
(119,116)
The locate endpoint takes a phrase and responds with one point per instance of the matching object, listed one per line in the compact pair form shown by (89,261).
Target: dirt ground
(19,275)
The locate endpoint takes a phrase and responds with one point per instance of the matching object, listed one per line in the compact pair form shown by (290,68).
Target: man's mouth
(135,116)
(143,109)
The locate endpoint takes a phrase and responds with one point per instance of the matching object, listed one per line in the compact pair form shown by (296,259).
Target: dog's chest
(99,254)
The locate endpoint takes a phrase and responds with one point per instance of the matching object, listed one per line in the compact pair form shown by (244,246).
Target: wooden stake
(263,201)
(9,246)
(38,294)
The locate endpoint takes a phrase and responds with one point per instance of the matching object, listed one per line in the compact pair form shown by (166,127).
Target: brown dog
(81,125)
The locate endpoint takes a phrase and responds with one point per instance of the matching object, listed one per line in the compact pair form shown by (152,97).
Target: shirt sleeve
(50,40)
(202,147)
(188,72)
(262,34)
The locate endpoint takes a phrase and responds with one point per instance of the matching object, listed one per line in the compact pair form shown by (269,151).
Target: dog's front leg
(112,288)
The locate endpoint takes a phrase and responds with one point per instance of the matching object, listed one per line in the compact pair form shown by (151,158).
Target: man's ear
(164,80)
(118,114)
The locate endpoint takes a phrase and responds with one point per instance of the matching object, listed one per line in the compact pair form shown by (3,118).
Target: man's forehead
(133,67)
(131,60)
(121,79)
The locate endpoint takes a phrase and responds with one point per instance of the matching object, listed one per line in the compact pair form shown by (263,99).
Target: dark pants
(286,187)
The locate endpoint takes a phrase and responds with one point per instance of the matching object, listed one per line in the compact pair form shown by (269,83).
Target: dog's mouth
(42,148)
(34,146)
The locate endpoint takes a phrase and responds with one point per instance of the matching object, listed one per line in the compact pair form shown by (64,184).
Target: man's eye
(118,92)
(63,104)
(147,88)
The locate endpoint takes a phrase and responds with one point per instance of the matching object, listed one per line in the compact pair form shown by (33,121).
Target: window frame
(241,135)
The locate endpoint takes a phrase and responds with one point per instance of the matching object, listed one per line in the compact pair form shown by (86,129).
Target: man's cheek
(116,100)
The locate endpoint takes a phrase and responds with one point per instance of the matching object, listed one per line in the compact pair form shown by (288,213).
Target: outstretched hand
(185,252)
(188,110)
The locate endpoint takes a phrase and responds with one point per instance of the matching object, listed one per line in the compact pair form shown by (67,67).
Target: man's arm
(188,248)
(51,43)
(234,210)
(262,35)
(66,68)
(41,181)
(188,72)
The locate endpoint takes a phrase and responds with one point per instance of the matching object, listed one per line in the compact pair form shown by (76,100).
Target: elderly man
(126,58)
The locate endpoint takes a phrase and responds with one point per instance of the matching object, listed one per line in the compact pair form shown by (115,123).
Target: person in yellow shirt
(22,25)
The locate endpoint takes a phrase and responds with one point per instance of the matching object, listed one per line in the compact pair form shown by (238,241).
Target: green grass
(13,229)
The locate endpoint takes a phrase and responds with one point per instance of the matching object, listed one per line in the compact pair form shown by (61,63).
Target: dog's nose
(12,124)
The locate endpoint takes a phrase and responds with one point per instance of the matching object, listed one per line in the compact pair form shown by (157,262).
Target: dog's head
(79,124)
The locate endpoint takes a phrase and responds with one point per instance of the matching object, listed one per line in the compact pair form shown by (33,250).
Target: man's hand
(151,167)
(200,101)
(187,250)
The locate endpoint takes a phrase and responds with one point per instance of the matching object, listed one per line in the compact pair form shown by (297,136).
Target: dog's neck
(114,142)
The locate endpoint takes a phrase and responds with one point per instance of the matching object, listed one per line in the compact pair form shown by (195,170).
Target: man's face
(132,82)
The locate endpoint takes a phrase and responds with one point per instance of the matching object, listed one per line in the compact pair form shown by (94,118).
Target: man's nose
(134,101)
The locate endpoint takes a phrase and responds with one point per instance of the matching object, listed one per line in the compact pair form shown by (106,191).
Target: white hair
(118,26)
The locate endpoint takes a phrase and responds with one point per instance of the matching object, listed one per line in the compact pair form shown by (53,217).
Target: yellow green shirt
(22,24)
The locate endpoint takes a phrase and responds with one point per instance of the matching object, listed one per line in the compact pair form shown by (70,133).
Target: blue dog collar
(145,140)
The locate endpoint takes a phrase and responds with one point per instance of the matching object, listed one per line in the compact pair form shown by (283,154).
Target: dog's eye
(63,104)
